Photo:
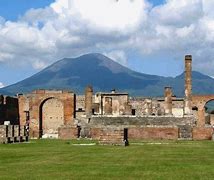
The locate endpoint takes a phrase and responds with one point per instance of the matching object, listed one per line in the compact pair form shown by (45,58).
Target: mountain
(105,74)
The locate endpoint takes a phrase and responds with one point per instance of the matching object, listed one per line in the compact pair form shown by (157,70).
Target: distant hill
(105,74)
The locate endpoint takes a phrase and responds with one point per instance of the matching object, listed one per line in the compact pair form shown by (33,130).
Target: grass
(57,159)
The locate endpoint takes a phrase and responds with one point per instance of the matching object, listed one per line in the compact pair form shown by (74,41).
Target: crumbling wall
(113,103)
(137,104)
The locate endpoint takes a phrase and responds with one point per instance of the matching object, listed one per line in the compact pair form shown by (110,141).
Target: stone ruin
(113,117)
(13,134)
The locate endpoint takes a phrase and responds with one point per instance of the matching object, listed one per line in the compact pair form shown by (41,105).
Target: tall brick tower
(188,85)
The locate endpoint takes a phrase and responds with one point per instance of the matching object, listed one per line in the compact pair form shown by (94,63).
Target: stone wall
(13,133)
(114,103)
(156,106)
(80,102)
(170,128)
(142,121)
(169,133)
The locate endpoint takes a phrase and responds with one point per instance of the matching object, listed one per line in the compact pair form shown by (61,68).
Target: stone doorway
(51,118)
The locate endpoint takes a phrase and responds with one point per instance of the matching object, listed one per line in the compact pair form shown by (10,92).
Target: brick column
(168,100)
(188,85)
(88,101)
(201,117)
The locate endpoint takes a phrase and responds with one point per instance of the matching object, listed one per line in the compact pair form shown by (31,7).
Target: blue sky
(12,9)
(36,33)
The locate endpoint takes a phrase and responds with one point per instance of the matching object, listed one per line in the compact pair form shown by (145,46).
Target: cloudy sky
(149,36)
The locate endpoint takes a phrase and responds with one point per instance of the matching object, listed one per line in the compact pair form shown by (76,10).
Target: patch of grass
(58,159)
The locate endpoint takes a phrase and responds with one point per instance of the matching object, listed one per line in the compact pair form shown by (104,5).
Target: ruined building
(114,116)
(9,110)
(47,111)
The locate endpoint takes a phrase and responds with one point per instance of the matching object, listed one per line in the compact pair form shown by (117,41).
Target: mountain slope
(104,74)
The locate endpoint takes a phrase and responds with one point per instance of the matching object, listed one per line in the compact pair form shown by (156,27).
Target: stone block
(16,130)
(10,131)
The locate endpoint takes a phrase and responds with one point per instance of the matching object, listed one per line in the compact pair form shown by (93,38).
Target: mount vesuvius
(105,74)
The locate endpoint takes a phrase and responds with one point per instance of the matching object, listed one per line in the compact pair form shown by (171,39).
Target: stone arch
(209,110)
(200,101)
(51,116)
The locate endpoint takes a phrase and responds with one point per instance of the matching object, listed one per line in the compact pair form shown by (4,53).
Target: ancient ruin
(112,117)
(47,110)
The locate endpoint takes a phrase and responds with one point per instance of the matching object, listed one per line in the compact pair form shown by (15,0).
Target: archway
(51,113)
(199,104)
(209,112)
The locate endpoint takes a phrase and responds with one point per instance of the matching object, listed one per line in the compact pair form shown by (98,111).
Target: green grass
(57,159)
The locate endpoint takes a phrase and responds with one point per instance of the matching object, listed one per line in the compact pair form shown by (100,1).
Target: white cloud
(118,55)
(178,14)
(39,65)
(110,14)
(1,85)
(68,28)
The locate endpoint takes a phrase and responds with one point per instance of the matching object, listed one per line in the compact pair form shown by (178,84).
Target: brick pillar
(188,85)
(201,117)
(168,100)
(88,101)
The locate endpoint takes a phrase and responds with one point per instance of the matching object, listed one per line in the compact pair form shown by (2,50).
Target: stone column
(88,101)
(168,100)
(188,85)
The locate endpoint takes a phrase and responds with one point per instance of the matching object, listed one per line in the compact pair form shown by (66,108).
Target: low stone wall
(13,133)
(153,133)
(68,132)
(142,121)
(202,133)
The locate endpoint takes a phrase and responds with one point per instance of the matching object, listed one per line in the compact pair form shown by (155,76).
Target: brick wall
(201,133)
(112,136)
(153,133)
(67,132)
(95,133)
(34,103)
